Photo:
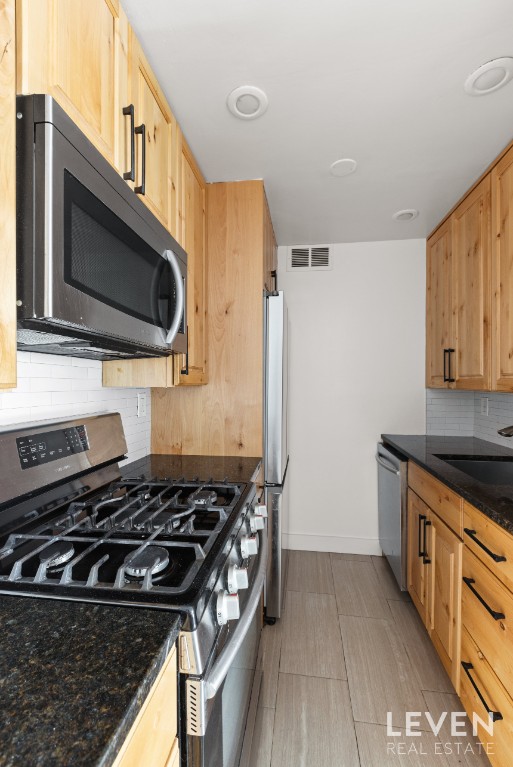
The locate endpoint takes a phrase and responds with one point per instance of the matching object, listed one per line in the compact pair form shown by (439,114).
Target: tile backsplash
(457,413)
(51,386)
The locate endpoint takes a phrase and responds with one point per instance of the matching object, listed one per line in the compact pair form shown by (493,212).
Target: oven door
(97,258)
(218,703)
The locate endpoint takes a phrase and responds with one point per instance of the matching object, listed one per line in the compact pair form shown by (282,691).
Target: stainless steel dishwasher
(392,510)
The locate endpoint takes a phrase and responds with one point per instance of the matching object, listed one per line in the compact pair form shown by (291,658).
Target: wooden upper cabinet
(438,306)
(458,297)
(69,49)
(470,290)
(192,370)
(153,164)
(502,273)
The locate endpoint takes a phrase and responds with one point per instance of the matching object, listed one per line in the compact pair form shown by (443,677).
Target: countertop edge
(118,738)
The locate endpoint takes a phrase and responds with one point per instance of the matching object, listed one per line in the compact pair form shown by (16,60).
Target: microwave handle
(180,295)
(222,665)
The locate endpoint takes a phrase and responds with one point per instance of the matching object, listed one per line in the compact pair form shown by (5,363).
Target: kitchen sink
(492,470)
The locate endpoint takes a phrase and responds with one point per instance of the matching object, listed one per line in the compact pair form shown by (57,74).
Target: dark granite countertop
(496,501)
(73,677)
(231,468)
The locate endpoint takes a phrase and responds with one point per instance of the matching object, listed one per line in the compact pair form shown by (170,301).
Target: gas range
(72,527)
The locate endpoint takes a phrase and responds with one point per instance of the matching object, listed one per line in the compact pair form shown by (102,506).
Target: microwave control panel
(52,445)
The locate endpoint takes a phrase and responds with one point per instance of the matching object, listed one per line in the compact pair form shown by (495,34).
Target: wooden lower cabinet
(444,552)
(152,741)
(480,692)
(418,514)
(434,580)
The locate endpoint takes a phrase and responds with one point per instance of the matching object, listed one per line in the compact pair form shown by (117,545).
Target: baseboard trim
(335,543)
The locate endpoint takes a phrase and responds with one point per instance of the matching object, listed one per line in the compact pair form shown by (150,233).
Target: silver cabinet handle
(180,298)
(222,665)
(386,465)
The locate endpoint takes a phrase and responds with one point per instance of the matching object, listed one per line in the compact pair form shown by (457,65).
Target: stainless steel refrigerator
(276,457)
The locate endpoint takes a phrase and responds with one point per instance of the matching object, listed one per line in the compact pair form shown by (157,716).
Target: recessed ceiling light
(247,102)
(343,167)
(489,77)
(406,215)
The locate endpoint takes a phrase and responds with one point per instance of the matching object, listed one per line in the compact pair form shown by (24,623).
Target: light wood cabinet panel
(438,306)
(490,543)
(487,614)
(502,273)
(152,111)
(174,757)
(68,48)
(470,290)
(193,239)
(138,373)
(8,196)
(225,417)
(152,740)
(270,252)
(418,513)
(444,550)
(492,694)
(443,501)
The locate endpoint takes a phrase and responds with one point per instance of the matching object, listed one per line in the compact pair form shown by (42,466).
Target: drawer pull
(495,615)
(422,517)
(496,715)
(425,560)
(472,534)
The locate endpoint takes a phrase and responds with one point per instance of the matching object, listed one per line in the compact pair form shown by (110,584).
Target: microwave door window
(106,260)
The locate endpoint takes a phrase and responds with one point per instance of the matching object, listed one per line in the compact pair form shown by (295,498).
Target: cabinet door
(444,595)
(8,197)
(418,515)
(471,291)
(438,307)
(193,239)
(68,48)
(502,273)
(152,111)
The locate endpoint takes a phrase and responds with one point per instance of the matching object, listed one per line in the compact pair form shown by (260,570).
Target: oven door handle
(222,665)
(180,295)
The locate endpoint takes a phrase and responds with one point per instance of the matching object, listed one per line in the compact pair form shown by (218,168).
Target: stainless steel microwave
(98,275)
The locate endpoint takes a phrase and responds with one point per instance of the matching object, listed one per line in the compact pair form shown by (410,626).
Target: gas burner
(204,498)
(154,558)
(57,554)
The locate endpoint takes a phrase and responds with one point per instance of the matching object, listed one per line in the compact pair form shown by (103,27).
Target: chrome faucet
(507,431)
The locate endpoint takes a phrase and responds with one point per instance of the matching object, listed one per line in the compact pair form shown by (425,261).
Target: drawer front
(499,744)
(152,738)
(490,543)
(443,501)
(487,614)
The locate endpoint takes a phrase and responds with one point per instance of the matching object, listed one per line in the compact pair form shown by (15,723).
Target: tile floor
(349,649)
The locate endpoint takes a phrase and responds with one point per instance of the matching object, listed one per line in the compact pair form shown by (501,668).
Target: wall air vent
(315,258)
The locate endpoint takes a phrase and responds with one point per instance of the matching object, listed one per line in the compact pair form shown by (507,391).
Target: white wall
(50,386)
(356,370)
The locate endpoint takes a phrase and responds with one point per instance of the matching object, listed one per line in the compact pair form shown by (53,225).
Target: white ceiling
(380,81)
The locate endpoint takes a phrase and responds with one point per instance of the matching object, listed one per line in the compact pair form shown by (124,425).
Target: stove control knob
(256,523)
(261,510)
(227,607)
(248,546)
(237,578)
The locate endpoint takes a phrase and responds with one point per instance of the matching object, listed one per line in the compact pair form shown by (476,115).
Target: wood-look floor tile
(469,753)
(270,644)
(358,590)
(313,725)
(351,557)
(380,675)
(311,642)
(425,662)
(378,749)
(263,738)
(387,580)
(310,571)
